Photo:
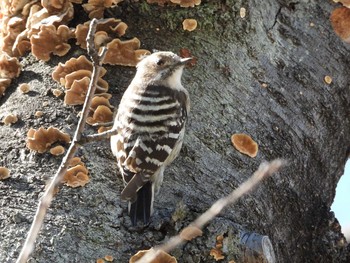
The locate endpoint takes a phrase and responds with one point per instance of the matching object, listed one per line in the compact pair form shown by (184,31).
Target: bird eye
(160,62)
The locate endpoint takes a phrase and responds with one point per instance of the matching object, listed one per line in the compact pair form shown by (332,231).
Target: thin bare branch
(110,123)
(265,170)
(47,197)
(97,137)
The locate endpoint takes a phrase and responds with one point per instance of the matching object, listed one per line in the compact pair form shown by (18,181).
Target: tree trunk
(261,75)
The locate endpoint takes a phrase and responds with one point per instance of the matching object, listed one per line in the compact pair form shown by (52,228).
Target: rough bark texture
(296,116)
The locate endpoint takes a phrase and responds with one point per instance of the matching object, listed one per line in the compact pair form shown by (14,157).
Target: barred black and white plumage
(151,122)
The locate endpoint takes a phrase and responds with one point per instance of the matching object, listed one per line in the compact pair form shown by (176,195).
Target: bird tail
(142,208)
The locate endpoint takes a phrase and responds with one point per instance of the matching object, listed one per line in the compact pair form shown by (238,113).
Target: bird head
(163,68)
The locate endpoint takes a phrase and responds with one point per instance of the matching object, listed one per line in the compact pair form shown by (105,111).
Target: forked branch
(47,197)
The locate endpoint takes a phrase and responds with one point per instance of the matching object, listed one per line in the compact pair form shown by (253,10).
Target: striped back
(150,124)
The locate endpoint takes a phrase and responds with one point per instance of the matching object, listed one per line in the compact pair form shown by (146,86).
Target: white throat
(174,81)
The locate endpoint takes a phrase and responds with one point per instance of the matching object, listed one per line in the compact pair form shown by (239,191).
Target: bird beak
(183,61)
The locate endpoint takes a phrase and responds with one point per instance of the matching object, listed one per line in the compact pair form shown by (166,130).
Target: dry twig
(47,197)
(97,137)
(265,170)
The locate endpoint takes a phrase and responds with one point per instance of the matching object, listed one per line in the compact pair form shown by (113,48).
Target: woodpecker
(150,122)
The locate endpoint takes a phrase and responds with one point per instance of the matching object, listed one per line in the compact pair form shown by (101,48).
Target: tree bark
(262,75)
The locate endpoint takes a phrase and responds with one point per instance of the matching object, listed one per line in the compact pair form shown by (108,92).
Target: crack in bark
(275,19)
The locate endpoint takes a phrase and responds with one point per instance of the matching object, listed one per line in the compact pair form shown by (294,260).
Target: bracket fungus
(10,119)
(124,53)
(75,75)
(245,144)
(340,19)
(102,114)
(76,176)
(217,252)
(73,65)
(189,24)
(96,8)
(11,27)
(102,85)
(24,88)
(55,6)
(41,140)
(4,173)
(162,257)
(9,69)
(77,93)
(57,150)
(51,40)
(110,27)
(11,8)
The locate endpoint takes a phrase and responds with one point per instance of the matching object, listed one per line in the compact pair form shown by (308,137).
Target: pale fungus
(51,40)
(57,150)
(189,24)
(96,8)
(10,119)
(162,257)
(4,173)
(57,92)
(71,66)
(77,93)
(217,252)
(41,140)
(24,88)
(38,114)
(109,258)
(340,19)
(102,114)
(76,176)
(242,12)
(110,27)
(245,144)
(124,53)
(328,79)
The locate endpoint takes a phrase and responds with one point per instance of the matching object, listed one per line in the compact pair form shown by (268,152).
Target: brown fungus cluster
(4,173)
(51,40)
(75,76)
(340,19)
(9,68)
(217,252)
(189,24)
(245,144)
(162,257)
(77,174)
(10,119)
(41,140)
(96,8)
(106,30)
(124,53)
